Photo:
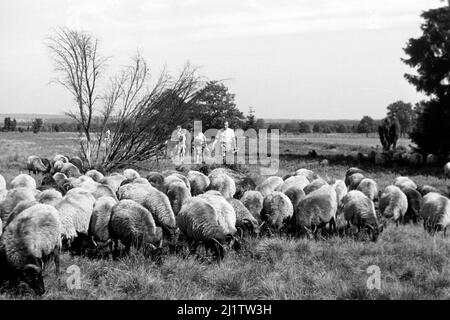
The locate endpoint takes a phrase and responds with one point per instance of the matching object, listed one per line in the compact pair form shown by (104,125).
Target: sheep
(381,158)
(277,211)
(243,184)
(175,177)
(393,203)
(369,187)
(77,162)
(133,224)
(310,175)
(70,170)
(3,194)
(447,170)
(269,185)
(60,179)
(295,194)
(253,201)
(21,206)
(300,181)
(177,193)
(95,175)
(156,179)
(426,189)
(23,180)
(315,211)
(341,190)
(131,174)
(49,196)
(154,201)
(198,181)
(61,158)
(96,189)
(35,165)
(28,242)
(314,185)
(414,158)
(404,182)
(352,171)
(414,202)
(13,197)
(101,214)
(432,159)
(210,220)
(137,180)
(353,181)
(359,210)
(75,210)
(435,211)
(57,166)
(245,221)
(2,183)
(113,181)
(224,184)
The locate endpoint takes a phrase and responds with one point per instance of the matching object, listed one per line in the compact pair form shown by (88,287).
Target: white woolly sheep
(404,182)
(277,211)
(177,193)
(369,187)
(198,181)
(310,175)
(315,211)
(2,183)
(29,241)
(295,194)
(393,203)
(23,180)
(49,196)
(98,190)
(98,225)
(244,219)
(133,224)
(131,174)
(113,181)
(300,181)
(359,210)
(341,190)
(352,181)
(314,185)
(70,170)
(35,165)
(435,211)
(269,185)
(61,158)
(426,189)
(13,197)
(95,175)
(253,201)
(77,162)
(224,184)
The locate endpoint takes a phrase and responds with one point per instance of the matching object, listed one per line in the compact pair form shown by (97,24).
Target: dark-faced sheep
(77,162)
(245,222)
(253,201)
(101,214)
(353,181)
(414,202)
(133,224)
(35,165)
(70,170)
(156,179)
(28,242)
(177,193)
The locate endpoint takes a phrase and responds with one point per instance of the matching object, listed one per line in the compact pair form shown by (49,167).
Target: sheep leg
(56,259)
(116,249)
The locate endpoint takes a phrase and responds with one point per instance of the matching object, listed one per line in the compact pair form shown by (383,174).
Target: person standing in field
(200,147)
(181,144)
(227,141)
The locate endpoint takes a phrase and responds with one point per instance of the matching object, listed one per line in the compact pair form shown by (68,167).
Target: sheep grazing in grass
(269,185)
(310,175)
(404,182)
(198,181)
(49,196)
(137,181)
(253,201)
(95,175)
(113,181)
(98,225)
(447,170)
(295,194)
(435,212)
(13,197)
(426,189)
(351,171)
(277,211)
(341,190)
(245,221)
(23,181)
(414,159)
(314,185)
(177,193)
(359,210)
(175,177)
(133,224)
(156,179)
(35,165)
(75,210)
(393,203)
(315,211)
(21,206)
(210,220)
(57,166)
(353,181)
(243,184)
(77,162)
(131,174)
(369,187)
(28,242)
(70,170)
(154,201)
(299,181)
(98,190)
(224,184)
(414,202)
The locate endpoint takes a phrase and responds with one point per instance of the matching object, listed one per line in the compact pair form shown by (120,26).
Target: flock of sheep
(75,210)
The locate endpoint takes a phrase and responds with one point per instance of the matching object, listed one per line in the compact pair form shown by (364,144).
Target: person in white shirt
(200,146)
(181,144)
(227,141)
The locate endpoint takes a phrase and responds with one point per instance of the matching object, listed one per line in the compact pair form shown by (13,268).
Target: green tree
(303,127)
(429,55)
(37,125)
(366,125)
(404,113)
(260,124)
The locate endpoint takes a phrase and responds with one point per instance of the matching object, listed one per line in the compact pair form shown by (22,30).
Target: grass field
(412,264)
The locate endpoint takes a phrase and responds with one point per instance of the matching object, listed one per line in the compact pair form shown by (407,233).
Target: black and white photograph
(247,151)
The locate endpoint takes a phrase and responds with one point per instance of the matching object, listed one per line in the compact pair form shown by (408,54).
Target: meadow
(412,263)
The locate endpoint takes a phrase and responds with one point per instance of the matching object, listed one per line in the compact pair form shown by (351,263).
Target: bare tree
(79,67)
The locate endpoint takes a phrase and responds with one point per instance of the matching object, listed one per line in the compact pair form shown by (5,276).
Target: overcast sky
(308,59)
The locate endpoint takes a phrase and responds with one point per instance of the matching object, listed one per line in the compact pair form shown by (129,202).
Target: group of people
(225,137)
